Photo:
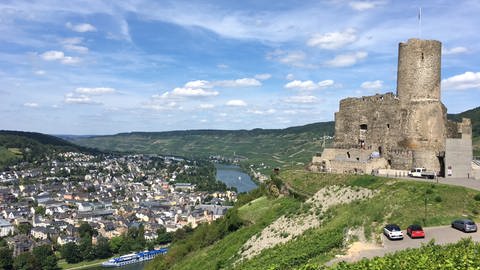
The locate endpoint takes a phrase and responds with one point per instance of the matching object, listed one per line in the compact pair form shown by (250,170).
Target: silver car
(465,225)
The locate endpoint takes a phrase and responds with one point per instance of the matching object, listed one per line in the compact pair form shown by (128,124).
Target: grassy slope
(398,201)
(275,148)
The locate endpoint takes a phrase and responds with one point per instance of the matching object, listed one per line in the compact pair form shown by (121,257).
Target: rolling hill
(270,147)
(20,146)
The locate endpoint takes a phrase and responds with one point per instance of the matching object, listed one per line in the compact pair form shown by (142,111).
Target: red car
(415,231)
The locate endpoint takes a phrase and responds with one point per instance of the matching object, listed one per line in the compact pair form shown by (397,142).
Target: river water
(134,266)
(234,176)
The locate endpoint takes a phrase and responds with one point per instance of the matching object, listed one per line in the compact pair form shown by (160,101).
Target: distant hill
(28,146)
(272,147)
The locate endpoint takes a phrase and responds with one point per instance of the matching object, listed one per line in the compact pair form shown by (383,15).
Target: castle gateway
(403,131)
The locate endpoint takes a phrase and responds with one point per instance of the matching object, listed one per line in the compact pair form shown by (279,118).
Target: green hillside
(271,147)
(18,146)
(392,202)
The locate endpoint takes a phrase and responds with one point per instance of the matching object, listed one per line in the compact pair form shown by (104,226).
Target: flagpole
(420,22)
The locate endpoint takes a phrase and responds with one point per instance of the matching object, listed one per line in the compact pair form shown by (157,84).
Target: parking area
(441,235)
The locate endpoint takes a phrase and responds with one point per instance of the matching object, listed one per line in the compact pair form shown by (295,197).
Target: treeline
(40,258)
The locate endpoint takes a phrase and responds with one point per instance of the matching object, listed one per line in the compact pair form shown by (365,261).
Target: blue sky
(103,67)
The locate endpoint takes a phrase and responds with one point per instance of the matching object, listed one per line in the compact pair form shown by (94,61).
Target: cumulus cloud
(262,112)
(294,58)
(364,5)
(301,99)
(263,77)
(372,85)
(192,92)
(290,77)
(333,40)
(467,80)
(59,56)
(74,44)
(455,50)
(72,98)
(244,82)
(236,103)
(40,72)
(81,28)
(198,84)
(95,91)
(31,104)
(346,60)
(308,85)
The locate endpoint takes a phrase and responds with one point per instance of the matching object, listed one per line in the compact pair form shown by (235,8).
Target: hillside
(271,147)
(20,146)
(289,233)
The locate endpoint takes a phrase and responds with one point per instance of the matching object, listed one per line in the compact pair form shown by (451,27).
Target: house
(5,228)
(62,240)
(20,244)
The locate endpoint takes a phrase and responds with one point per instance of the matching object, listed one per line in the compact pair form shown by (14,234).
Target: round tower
(418,77)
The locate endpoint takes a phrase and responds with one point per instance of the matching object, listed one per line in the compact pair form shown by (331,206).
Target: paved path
(441,234)
(463,182)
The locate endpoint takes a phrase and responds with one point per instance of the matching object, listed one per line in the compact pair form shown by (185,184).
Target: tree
(40,210)
(6,258)
(71,253)
(163,237)
(24,228)
(85,229)
(86,248)
(26,261)
(102,249)
(115,243)
(45,256)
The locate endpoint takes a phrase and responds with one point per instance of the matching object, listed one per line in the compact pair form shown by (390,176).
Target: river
(234,176)
(133,266)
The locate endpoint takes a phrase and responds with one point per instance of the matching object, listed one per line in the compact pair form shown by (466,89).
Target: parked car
(392,231)
(465,225)
(415,231)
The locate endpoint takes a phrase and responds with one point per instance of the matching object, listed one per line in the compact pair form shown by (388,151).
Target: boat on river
(134,258)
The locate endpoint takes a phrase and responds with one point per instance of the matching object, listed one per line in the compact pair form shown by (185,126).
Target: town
(53,202)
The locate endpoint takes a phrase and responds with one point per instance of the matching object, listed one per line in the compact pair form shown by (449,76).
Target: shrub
(438,199)
(477,197)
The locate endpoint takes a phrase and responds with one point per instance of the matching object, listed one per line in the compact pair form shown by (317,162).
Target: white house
(5,228)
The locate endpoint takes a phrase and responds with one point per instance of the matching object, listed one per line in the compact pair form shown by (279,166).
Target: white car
(392,231)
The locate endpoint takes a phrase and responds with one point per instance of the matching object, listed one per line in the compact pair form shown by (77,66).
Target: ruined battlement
(407,129)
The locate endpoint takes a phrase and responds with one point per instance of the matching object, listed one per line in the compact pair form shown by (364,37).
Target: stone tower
(418,89)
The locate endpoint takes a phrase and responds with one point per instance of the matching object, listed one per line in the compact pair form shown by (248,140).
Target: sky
(104,67)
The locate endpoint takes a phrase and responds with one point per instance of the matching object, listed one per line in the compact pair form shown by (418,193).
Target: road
(441,235)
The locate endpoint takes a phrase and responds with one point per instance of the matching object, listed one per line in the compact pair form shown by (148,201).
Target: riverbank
(235,176)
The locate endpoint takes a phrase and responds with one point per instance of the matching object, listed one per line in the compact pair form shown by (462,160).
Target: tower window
(348,154)
(363,127)
(388,126)
(422,57)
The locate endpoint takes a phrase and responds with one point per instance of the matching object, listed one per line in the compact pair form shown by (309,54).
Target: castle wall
(458,152)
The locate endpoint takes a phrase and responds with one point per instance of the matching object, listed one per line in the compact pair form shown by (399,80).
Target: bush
(477,197)
(438,199)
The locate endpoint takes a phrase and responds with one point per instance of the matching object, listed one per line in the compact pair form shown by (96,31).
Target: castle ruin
(401,131)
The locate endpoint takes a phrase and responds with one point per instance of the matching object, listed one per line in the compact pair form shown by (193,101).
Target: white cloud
(346,60)
(72,98)
(223,66)
(192,92)
(301,99)
(333,40)
(244,82)
(198,84)
(206,106)
(455,50)
(59,56)
(95,91)
(290,77)
(308,85)
(261,112)
(467,80)
(31,104)
(294,58)
(372,85)
(263,77)
(236,103)
(364,5)
(76,48)
(82,27)
(40,72)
